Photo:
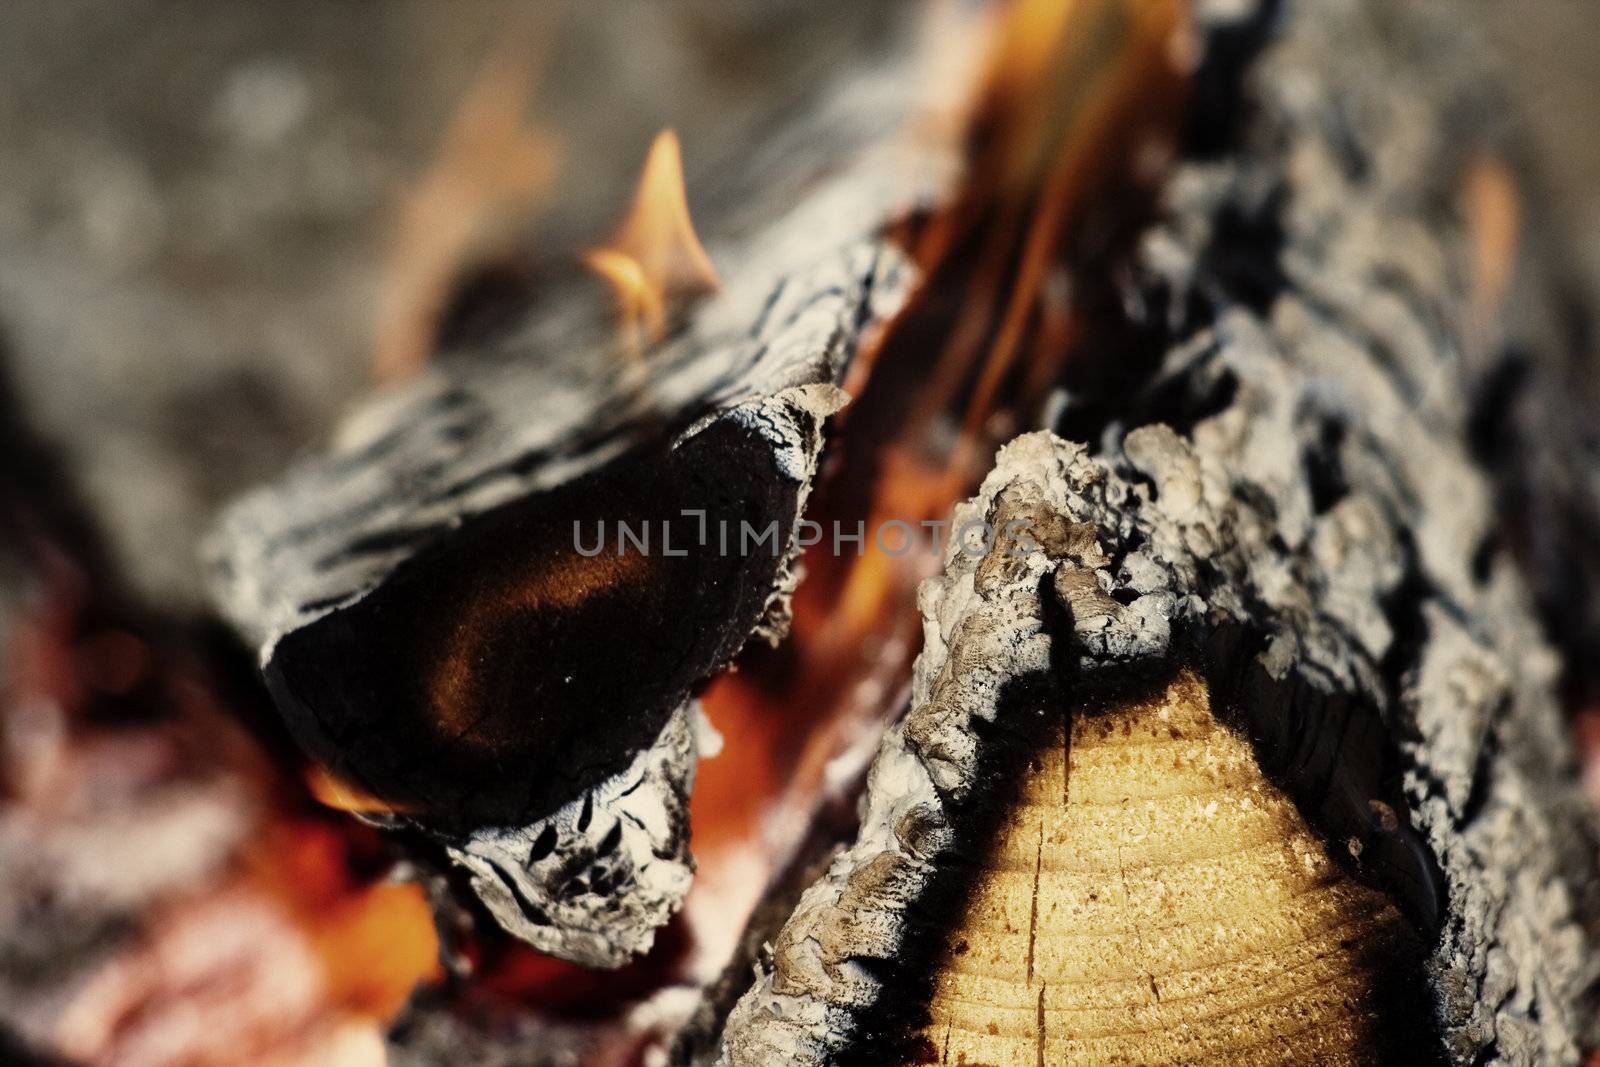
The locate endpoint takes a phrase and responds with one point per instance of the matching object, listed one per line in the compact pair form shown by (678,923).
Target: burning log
(1279,496)
(1275,543)
(1086,568)
(487,609)
(375,610)
(1134,564)
(1233,738)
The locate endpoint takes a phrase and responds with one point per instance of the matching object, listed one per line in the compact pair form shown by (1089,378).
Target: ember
(257,931)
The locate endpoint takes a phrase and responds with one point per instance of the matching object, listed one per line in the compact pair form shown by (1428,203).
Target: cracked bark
(1275,486)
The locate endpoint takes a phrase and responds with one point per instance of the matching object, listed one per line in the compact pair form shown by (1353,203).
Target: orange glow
(299,963)
(379,946)
(491,169)
(268,941)
(1494,221)
(554,582)
(1075,91)
(654,256)
(791,724)
(374,943)
(1025,53)
(1065,146)
(334,792)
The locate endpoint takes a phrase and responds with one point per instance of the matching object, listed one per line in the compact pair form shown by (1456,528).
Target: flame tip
(655,256)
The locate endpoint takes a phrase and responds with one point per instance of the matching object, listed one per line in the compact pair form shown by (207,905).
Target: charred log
(1236,738)
(489,605)
(1289,504)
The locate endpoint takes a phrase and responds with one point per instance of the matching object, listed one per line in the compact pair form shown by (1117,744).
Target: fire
(334,792)
(1076,89)
(303,963)
(374,942)
(1076,92)
(1493,212)
(307,958)
(492,167)
(1076,96)
(261,929)
(655,256)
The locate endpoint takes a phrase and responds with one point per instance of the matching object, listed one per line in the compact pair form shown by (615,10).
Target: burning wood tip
(655,257)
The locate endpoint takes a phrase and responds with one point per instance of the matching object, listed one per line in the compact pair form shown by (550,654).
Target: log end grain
(1151,897)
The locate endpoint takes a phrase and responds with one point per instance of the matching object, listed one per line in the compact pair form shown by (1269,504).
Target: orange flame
(334,792)
(374,943)
(655,254)
(1075,90)
(491,168)
(1494,223)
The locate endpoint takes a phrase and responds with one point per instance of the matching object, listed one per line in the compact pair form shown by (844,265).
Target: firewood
(1276,492)
(489,604)
(1111,596)
(1236,739)
(1150,896)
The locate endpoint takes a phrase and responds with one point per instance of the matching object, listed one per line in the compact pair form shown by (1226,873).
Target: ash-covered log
(1237,742)
(1131,568)
(1278,493)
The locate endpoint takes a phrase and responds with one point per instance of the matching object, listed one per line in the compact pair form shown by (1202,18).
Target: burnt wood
(1274,484)
(431,613)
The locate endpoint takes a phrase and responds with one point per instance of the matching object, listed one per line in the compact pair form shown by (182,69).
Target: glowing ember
(286,962)
(334,792)
(373,942)
(655,256)
(260,931)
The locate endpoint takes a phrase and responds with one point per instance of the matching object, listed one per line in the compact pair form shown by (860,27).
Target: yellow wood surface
(1152,898)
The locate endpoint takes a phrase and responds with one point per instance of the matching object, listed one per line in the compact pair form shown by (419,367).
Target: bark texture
(1287,500)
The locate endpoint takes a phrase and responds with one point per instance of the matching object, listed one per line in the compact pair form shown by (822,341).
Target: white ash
(594,881)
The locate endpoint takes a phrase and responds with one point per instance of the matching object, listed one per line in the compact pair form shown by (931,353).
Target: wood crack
(1039,1023)
(1033,919)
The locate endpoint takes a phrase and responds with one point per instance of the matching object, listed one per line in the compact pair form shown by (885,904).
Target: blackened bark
(445,606)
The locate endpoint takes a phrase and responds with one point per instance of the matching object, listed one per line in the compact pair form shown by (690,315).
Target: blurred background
(208,209)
